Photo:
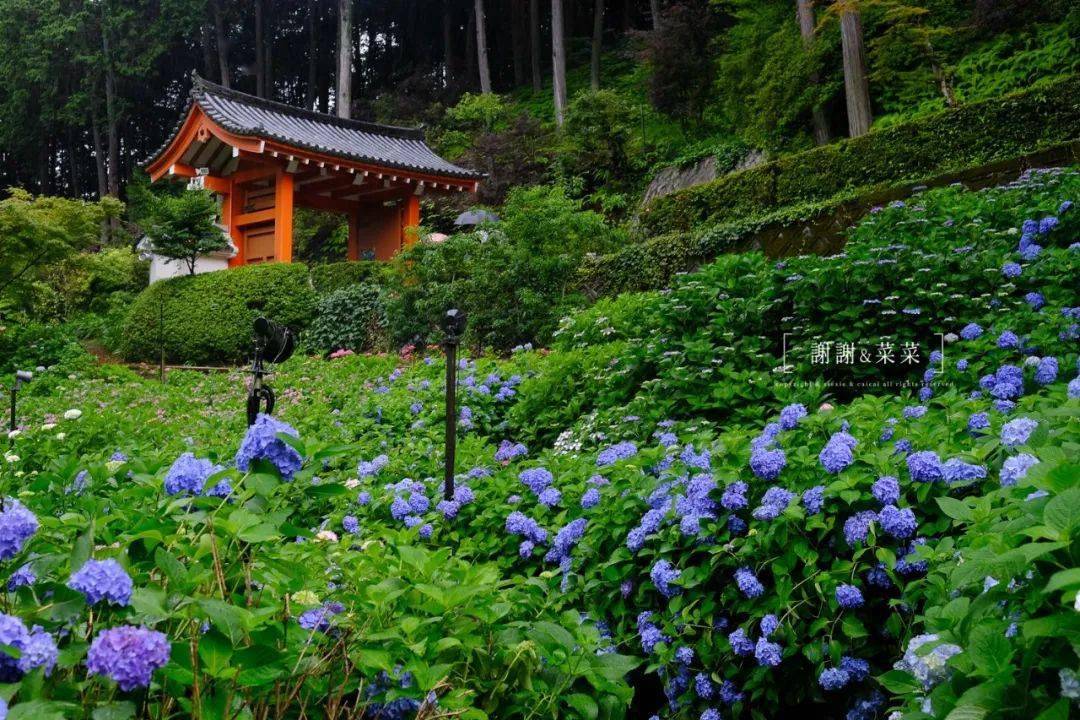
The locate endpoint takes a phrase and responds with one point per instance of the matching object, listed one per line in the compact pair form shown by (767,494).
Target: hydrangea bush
(651,526)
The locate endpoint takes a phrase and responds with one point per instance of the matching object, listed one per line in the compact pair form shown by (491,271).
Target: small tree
(184,227)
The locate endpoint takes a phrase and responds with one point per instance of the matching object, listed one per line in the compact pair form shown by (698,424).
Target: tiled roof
(385,145)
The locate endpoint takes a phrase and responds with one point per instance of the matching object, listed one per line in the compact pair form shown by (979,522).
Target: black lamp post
(21,376)
(274,343)
(453,326)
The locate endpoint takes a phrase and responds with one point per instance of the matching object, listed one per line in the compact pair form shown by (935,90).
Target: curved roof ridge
(202,85)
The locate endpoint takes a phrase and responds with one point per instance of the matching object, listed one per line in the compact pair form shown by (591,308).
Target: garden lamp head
(453,324)
(276,341)
(23,376)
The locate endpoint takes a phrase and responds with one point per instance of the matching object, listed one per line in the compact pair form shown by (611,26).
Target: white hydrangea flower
(12,458)
(326,536)
(72,414)
(14,434)
(48,426)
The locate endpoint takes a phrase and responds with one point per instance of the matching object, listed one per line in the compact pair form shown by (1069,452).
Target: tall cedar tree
(681,61)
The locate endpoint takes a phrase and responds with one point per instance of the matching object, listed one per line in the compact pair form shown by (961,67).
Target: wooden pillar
(354,235)
(410,221)
(283,216)
(232,203)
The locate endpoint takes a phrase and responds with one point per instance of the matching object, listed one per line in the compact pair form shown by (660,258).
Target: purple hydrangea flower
(773,502)
(857,527)
(1035,300)
(978,421)
(1011,270)
(955,470)
(23,577)
(1008,339)
(188,475)
(17,525)
(857,668)
(518,523)
(730,693)
(129,655)
(350,523)
(769,624)
(971,331)
(565,540)
(320,619)
(734,497)
(914,411)
(262,443)
(40,652)
(536,479)
(550,497)
(590,499)
(371,468)
(1046,372)
(508,451)
(704,687)
(102,580)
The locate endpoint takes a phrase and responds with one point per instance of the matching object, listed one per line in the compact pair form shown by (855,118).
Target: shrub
(328,277)
(952,140)
(351,318)
(208,317)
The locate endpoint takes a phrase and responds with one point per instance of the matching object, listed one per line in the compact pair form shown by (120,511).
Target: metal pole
(451,417)
(11,424)
(161,339)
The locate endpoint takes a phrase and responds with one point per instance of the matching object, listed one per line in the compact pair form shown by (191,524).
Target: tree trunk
(517,39)
(311,89)
(806,29)
(222,41)
(856,82)
(449,63)
(597,43)
(111,120)
(470,46)
(558,60)
(482,48)
(260,61)
(534,44)
(99,149)
(206,44)
(654,10)
(268,51)
(343,103)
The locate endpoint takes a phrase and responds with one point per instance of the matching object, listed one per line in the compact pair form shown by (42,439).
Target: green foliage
(956,139)
(184,227)
(352,318)
(38,234)
(514,280)
(597,133)
(28,346)
(328,277)
(474,115)
(208,317)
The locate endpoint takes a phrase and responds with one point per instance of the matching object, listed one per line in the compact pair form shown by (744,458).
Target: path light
(21,376)
(274,343)
(453,325)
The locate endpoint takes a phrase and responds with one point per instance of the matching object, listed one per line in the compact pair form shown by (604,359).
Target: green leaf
(967,712)
(263,532)
(1063,579)
(989,649)
(80,551)
(227,618)
(1062,513)
(1057,711)
(899,682)
(613,667)
(956,509)
(122,710)
(148,603)
(214,653)
(173,569)
(584,704)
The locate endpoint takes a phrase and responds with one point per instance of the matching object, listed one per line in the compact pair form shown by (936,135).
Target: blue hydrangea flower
(550,497)
(929,668)
(734,497)
(768,654)
(262,443)
(748,583)
(730,693)
(649,633)
(367,468)
(1074,388)
(518,523)
(663,575)
(924,466)
(962,364)
(1016,468)
(1035,300)
(508,451)
(955,470)
(23,577)
(536,479)
(773,502)
(736,525)
(838,453)
(1046,372)
(1011,270)
(978,421)
(40,652)
(350,524)
(590,499)
(1016,432)
(971,331)
(849,597)
(704,687)
(769,624)
(320,619)
(790,415)
(740,643)
(913,411)
(813,499)
(17,525)
(129,655)
(857,527)
(898,522)
(188,474)
(710,714)
(684,655)
(615,453)
(13,633)
(857,668)
(102,580)
(832,679)
(886,490)
(565,540)
(1008,339)
(767,464)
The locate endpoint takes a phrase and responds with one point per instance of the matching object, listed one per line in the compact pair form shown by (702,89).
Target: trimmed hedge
(972,134)
(208,317)
(328,277)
